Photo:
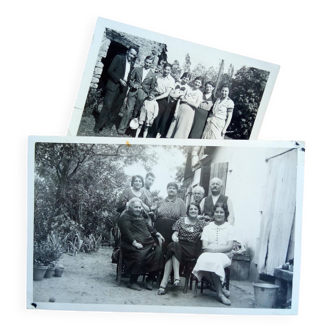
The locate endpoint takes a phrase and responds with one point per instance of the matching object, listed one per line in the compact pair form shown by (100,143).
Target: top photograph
(138,83)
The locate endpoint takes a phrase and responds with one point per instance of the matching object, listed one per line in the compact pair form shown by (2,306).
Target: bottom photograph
(169,227)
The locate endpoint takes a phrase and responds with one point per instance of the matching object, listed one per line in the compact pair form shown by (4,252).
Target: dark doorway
(114,49)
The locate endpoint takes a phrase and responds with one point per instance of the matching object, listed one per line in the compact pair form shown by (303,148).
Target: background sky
(213,59)
(164,171)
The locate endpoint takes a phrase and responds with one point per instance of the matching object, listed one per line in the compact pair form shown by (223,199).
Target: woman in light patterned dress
(184,115)
(220,117)
(218,238)
(186,231)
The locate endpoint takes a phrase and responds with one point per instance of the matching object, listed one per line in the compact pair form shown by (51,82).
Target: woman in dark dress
(202,112)
(138,247)
(169,211)
(186,231)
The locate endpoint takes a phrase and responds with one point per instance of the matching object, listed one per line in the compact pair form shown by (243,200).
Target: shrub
(46,253)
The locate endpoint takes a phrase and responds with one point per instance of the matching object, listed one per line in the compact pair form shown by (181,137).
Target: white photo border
(103,23)
(299,145)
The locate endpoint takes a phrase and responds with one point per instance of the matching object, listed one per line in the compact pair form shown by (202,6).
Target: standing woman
(202,112)
(169,211)
(186,111)
(217,238)
(187,230)
(179,90)
(220,117)
(136,190)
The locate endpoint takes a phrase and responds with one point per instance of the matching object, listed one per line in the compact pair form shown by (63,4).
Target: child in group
(149,112)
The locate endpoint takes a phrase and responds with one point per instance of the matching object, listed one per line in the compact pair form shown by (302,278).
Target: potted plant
(46,254)
(58,270)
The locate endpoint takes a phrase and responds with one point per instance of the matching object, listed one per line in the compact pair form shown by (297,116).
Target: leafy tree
(187,64)
(176,70)
(77,185)
(246,91)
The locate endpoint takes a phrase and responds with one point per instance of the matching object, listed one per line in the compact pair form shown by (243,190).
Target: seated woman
(168,212)
(217,240)
(139,250)
(187,231)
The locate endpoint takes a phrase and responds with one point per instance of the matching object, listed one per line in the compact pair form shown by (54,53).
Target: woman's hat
(134,123)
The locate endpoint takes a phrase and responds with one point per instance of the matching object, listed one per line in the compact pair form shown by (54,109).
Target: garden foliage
(77,187)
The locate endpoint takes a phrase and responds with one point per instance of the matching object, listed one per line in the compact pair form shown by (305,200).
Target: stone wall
(99,65)
(146,47)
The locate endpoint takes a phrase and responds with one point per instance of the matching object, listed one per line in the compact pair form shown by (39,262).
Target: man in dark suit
(116,88)
(142,80)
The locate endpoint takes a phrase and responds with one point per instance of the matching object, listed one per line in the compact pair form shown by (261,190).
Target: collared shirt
(128,65)
(220,107)
(217,236)
(193,96)
(206,103)
(164,83)
(172,208)
(145,72)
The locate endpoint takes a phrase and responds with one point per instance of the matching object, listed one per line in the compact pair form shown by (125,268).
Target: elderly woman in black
(140,252)
(169,211)
(186,231)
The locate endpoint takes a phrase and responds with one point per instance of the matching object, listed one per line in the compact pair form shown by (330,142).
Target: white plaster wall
(247,172)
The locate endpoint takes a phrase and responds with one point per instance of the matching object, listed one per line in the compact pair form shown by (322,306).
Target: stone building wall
(146,47)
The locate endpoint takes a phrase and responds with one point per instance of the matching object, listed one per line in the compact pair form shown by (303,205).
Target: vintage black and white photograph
(142,84)
(165,228)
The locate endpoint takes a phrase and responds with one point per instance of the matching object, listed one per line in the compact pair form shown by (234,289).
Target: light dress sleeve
(205,234)
(230,104)
(231,236)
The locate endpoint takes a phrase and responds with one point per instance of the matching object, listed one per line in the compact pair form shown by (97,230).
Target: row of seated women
(180,242)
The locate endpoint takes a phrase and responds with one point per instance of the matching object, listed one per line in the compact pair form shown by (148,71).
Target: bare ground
(89,278)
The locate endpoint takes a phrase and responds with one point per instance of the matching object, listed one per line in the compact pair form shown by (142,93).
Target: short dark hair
(149,57)
(150,174)
(186,74)
(133,48)
(173,184)
(198,78)
(195,204)
(167,65)
(210,83)
(224,86)
(135,177)
(223,206)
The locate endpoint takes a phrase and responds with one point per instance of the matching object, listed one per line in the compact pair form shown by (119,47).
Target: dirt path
(90,279)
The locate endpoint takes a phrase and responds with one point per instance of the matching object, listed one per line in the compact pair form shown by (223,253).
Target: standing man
(116,88)
(149,180)
(142,80)
(210,201)
(164,85)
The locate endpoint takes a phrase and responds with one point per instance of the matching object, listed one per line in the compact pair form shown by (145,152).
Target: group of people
(163,107)
(161,235)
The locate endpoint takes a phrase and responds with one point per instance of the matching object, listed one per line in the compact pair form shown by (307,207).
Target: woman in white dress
(184,114)
(217,238)
(220,117)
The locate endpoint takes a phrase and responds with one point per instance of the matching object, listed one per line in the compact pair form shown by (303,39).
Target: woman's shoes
(223,299)
(134,286)
(161,291)
(226,292)
(148,284)
(176,282)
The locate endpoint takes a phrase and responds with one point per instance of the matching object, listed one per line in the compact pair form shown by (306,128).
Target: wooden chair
(204,281)
(120,267)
